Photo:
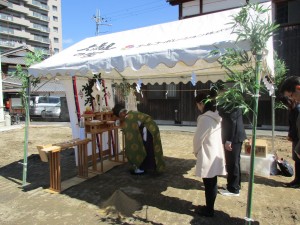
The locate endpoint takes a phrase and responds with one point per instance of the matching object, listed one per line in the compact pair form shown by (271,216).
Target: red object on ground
(7,104)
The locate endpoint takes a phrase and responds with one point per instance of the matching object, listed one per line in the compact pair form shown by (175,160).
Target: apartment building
(34,23)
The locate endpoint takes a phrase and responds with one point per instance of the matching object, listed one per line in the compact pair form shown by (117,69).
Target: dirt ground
(169,198)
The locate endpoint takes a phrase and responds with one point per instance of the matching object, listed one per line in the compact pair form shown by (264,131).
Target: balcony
(43,50)
(10,32)
(37,4)
(39,16)
(14,20)
(6,17)
(40,5)
(40,28)
(19,8)
(41,39)
(6,30)
(7,43)
(21,21)
(3,4)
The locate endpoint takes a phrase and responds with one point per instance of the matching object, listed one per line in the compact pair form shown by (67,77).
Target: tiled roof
(14,60)
(15,56)
(49,86)
(12,84)
(177,2)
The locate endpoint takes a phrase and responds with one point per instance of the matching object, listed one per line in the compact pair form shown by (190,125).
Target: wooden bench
(51,154)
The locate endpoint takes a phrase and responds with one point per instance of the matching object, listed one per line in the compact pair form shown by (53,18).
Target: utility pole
(99,21)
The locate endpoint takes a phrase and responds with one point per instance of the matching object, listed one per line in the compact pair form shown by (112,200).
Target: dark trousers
(149,163)
(233,159)
(297,163)
(297,172)
(211,190)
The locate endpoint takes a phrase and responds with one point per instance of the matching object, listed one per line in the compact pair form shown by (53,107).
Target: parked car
(45,106)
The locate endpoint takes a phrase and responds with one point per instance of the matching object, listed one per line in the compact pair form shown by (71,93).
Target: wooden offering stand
(51,153)
(96,124)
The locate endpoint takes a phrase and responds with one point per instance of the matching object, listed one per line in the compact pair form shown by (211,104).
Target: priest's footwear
(203,211)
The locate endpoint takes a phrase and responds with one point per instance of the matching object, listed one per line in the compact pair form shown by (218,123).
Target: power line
(135,13)
(121,14)
(128,9)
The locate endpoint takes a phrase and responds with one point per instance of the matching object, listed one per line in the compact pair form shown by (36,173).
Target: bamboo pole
(252,160)
(25,157)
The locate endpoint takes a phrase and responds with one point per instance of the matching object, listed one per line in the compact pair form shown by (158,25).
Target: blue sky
(78,22)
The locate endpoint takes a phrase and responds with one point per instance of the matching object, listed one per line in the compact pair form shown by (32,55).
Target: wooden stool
(83,158)
(53,153)
(82,154)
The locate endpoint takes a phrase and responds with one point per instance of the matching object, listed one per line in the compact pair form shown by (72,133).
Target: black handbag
(285,168)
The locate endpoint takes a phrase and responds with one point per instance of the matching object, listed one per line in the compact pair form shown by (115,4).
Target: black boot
(204,211)
(296,182)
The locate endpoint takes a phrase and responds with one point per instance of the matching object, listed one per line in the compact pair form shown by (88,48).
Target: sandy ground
(169,198)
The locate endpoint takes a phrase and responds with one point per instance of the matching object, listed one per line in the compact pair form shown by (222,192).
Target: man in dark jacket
(294,110)
(290,88)
(233,135)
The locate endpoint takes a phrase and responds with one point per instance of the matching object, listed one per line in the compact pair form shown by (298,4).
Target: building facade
(34,23)
(174,103)
(286,40)
(285,13)
(27,26)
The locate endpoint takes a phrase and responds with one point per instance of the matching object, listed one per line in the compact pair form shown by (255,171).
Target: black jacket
(232,126)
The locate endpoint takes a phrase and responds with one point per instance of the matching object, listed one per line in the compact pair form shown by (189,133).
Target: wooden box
(261,149)
(88,117)
(108,115)
(99,115)
(94,126)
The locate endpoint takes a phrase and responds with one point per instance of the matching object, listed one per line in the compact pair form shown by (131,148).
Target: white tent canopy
(168,52)
(163,53)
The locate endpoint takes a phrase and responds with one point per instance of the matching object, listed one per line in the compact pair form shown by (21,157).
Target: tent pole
(252,160)
(273,122)
(76,98)
(105,93)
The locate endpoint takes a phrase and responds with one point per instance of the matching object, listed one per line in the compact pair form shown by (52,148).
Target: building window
(54,8)
(155,91)
(164,91)
(55,29)
(56,40)
(56,50)
(282,12)
(55,18)
(171,90)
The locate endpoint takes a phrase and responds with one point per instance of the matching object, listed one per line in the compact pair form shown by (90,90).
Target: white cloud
(68,41)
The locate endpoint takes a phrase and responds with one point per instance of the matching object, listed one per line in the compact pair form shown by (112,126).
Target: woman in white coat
(209,150)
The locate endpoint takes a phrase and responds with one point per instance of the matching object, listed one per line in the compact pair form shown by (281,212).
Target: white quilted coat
(208,146)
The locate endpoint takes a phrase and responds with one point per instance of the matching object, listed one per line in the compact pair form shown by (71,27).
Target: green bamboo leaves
(253,25)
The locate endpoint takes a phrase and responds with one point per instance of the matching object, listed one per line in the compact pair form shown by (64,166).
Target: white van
(45,106)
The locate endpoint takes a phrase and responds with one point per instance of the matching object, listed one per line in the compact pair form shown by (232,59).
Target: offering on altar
(88,110)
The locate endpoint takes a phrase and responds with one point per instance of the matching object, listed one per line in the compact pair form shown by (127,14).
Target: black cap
(117,108)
